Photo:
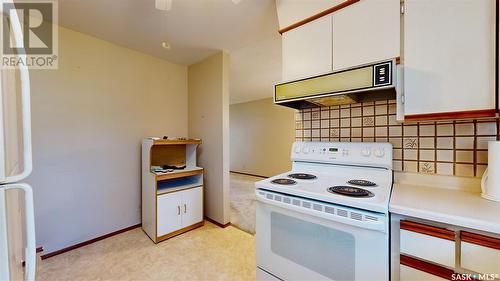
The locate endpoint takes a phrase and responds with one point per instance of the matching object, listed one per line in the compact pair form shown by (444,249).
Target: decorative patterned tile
(427,167)
(368,121)
(431,147)
(410,143)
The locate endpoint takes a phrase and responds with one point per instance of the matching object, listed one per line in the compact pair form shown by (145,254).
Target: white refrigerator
(17,229)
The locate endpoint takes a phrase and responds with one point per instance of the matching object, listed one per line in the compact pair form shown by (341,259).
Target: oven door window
(327,251)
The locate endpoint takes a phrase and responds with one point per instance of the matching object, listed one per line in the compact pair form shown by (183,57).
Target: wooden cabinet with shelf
(172,202)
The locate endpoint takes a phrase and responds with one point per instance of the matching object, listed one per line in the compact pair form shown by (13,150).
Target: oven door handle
(341,214)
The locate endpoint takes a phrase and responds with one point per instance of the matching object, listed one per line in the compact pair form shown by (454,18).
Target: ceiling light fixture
(164,5)
(165,45)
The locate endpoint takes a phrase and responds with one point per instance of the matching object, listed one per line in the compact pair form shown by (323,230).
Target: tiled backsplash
(444,147)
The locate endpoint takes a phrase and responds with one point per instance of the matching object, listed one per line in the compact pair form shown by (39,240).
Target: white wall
(209,121)
(89,117)
(262,134)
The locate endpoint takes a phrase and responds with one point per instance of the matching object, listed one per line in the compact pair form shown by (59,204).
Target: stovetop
(328,176)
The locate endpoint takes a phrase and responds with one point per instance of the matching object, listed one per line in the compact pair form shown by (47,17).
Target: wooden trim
(481,240)
(176,142)
(39,249)
(318,15)
(246,174)
(452,115)
(180,231)
(218,223)
(175,175)
(426,267)
(438,232)
(88,242)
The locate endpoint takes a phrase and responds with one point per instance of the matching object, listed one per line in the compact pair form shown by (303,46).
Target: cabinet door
(480,253)
(307,50)
(411,274)
(192,206)
(367,31)
(168,213)
(449,57)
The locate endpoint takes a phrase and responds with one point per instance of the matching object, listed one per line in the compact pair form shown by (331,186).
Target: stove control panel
(349,153)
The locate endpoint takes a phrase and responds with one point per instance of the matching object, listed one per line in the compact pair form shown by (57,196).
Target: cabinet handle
(185,208)
(178,210)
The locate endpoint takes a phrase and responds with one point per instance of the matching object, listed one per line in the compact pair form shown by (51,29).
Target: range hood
(369,82)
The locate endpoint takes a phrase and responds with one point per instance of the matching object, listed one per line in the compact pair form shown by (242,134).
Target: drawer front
(411,274)
(480,253)
(422,241)
(412,269)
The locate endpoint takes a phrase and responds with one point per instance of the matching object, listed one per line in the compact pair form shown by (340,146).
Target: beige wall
(261,137)
(208,120)
(89,117)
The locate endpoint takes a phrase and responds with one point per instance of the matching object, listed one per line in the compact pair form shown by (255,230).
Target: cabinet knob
(185,208)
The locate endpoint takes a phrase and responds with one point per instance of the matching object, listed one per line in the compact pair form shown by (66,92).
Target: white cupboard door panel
(480,259)
(307,50)
(424,247)
(449,56)
(367,31)
(192,206)
(168,213)
(411,274)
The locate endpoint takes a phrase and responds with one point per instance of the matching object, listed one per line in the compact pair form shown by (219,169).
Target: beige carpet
(207,253)
(242,193)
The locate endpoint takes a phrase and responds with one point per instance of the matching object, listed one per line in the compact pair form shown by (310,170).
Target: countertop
(452,206)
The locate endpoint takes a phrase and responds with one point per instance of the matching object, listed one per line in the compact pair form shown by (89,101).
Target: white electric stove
(327,218)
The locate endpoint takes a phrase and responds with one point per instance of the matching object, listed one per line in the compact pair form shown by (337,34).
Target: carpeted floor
(242,194)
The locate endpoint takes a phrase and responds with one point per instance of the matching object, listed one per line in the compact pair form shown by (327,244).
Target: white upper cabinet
(367,31)
(307,49)
(449,56)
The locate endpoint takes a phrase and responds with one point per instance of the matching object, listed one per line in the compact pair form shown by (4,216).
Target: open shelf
(178,184)
(179,173)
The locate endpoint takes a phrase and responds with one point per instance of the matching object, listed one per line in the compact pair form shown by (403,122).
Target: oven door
(301,239)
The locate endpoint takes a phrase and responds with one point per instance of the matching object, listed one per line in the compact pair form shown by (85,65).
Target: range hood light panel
(370,82)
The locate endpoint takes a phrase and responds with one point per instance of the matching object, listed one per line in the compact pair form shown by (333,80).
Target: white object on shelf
(490,183)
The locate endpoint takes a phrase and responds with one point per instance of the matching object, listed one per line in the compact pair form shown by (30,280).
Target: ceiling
(194,29)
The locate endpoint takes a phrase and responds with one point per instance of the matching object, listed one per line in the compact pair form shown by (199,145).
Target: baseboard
(247,174)
(218,223)
(88,242)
